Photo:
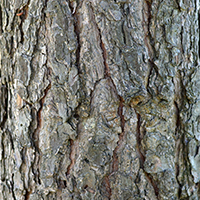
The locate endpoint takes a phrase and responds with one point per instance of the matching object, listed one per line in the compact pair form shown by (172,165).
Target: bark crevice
(71,156)
(35,137)
(74,12)
(142,157)
(122,136)
(12,188)
(4,100)
(23,14)
(199,32)
(1,19)
(102,46)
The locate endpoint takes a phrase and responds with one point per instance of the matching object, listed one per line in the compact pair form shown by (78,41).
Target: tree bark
(99,99)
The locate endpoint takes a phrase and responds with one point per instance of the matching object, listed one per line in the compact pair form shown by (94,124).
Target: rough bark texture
(99,99)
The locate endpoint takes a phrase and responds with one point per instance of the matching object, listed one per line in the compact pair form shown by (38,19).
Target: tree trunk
(99,99)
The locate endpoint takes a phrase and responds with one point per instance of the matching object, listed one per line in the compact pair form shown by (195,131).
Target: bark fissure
(27,194)
(199,32)
(178,148)
(182,161)
(12,188)
(76,23)
(4,98)
(37,34)
(142,157)
(106,189)
(178,5)
(102,46)
(22,32)
(11,139)
(1,24)
(122,136)
(71,156)
(35,134)
(75,15)
(148,39)
(23,14)
(35,137)
(104,52)
(3,157)
(148,80)
(182,49)
(89,189)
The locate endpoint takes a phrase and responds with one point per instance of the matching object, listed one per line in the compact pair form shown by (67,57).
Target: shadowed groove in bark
(182,162)
(38,114)
(37,33)
(1,24)
(22,13)
(27,195)
(199,33)
(4,99)
(105,189)
(181,153)
(75,15)
(71,156)
(142,157)
(149,43)
(35,136)
(3,155)
(107,71)
(148,39)
(179,141)
(12,188)
(74,144)
(89,189)
(21,32)
(121,136)
(102,46)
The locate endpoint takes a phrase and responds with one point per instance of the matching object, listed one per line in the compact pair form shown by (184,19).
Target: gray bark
(99,99)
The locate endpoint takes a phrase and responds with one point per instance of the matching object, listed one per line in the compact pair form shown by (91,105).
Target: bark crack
(12,187)
(35,136)
(149,40)
(199,33)
(23,14)
(178,148)
(74,11)
(121,137)
(71,156)
(27,194)
(4,98)
(102,46)
(142,156)
(106,189)
(1,19)
(121,103)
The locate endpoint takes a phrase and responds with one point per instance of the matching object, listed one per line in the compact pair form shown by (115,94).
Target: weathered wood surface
(99,99)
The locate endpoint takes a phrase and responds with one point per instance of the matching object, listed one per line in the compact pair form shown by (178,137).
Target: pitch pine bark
(99,99)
